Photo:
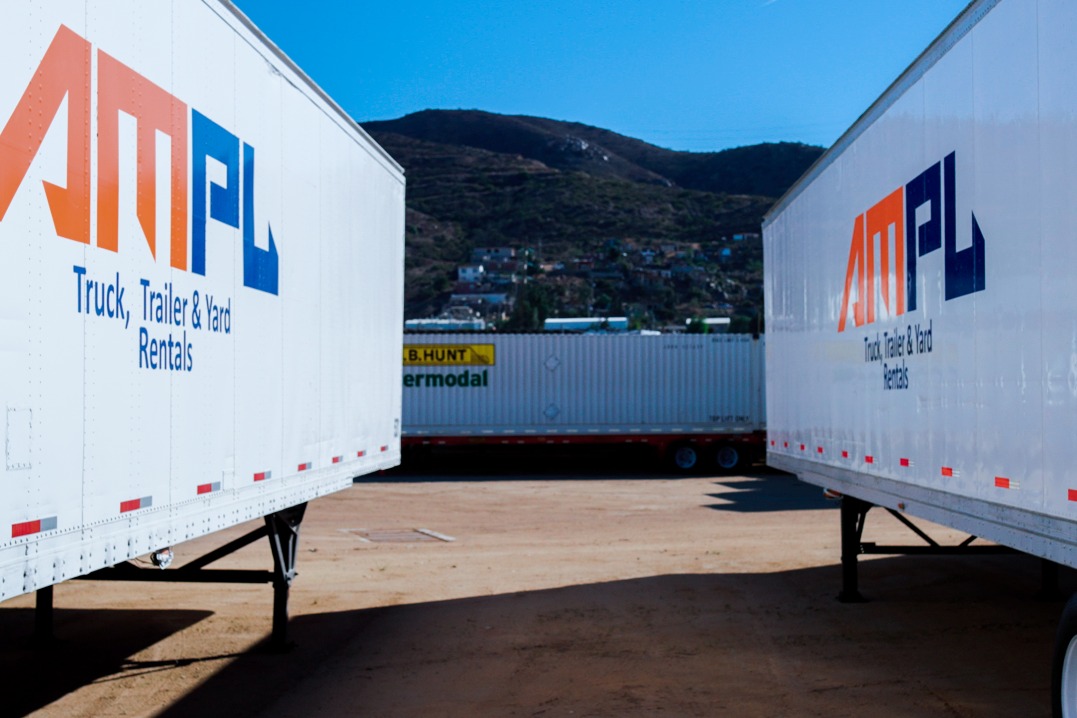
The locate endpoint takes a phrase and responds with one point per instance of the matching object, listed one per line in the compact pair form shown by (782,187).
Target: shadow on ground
(767,491)
(942,637)
(94,645)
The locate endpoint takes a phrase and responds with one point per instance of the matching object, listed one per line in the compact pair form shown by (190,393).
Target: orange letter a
(856,263)
(64,71)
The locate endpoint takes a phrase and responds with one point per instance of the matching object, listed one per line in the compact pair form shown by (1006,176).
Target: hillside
(571,196)
(767,169)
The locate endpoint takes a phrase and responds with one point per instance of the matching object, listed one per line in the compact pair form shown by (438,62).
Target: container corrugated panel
(920,298)
(581,384)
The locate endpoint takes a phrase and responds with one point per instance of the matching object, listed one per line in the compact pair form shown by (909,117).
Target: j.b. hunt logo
(923,217)
(65,72)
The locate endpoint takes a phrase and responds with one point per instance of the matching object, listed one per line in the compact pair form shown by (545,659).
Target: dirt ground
(600,590)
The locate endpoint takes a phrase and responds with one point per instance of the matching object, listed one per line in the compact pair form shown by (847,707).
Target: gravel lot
(568,588)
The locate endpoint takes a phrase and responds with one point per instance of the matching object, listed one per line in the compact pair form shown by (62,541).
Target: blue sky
(696,75)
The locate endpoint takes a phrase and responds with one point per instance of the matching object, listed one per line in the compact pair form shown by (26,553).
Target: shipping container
(696,398)
(921,304)
(235,246)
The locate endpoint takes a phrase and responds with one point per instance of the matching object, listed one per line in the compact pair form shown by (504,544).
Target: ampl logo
(923,218)
(65,72)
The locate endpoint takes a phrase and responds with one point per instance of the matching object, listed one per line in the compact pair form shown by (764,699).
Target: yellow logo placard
(448,355)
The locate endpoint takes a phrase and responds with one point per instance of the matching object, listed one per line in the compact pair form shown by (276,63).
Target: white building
(585,324)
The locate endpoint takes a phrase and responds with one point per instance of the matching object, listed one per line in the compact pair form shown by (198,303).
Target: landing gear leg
(43,613)
(1049,587)
(283,528)
(853,513)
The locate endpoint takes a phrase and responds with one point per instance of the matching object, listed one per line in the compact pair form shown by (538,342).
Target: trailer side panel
(581,385)
(201,263)
(919,297)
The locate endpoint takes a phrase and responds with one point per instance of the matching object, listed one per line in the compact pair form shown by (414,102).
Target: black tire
(684,457)
(728,458)
(1064,664)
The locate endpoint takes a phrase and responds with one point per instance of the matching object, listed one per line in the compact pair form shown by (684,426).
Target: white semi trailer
(696,399)
(921,302)
(201,268)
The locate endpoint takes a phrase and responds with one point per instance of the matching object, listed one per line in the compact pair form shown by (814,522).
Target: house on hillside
(470,273)
(497,254)
(452,319)
(583,265)
(487,303)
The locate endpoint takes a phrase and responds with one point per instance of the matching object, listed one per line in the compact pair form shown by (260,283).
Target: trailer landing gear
(1064,664)
(854,513)
(43,635)
(281,527)
(283,530)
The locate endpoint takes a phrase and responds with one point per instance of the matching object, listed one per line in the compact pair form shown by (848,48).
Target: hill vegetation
(604,223)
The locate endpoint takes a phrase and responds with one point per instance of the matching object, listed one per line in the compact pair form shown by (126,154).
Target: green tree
(743,324)
(534,304)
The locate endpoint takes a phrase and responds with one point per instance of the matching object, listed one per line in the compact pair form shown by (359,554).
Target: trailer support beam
(282,529)
(854,514)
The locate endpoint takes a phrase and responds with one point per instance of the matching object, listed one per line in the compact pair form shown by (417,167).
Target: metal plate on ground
(400,535)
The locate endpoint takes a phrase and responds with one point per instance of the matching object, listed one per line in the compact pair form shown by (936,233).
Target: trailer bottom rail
(282,529)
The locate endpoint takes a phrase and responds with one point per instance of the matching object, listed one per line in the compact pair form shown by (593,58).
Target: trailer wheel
(685,457)
(1064,664)
(728,458)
